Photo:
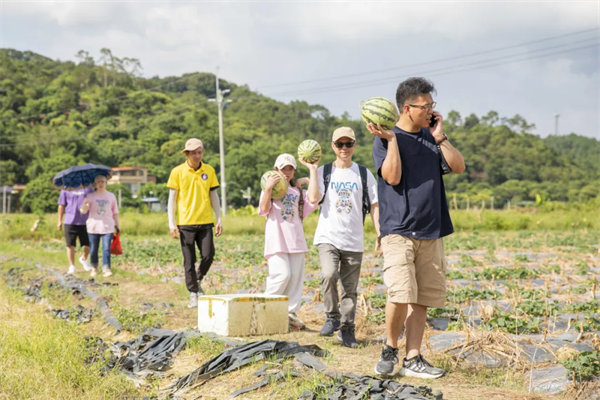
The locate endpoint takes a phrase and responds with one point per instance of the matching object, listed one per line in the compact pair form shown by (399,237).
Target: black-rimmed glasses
(424,107)
(349,145)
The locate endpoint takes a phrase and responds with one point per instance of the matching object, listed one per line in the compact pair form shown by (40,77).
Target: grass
(151,265)
(44,358)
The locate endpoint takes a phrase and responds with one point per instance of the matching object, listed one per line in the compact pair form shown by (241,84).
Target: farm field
(522,312)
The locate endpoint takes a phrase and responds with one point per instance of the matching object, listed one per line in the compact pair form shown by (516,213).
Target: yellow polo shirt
(193,197)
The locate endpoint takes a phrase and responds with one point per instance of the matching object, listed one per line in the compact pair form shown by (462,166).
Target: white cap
(285,159)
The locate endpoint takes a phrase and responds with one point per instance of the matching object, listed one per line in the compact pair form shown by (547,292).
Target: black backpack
(366,201)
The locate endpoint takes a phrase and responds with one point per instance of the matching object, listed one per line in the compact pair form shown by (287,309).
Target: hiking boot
(418,367)
(71,270)
(193,300)
(295,322)
(86,264)
(346,336)
(331,325)
(387,361)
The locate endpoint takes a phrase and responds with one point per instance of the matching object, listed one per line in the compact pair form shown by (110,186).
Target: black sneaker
(331,325)
(387,361)
(346,336)
(420,368)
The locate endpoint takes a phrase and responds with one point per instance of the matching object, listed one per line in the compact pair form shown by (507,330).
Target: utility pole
(220,106)
(556,116)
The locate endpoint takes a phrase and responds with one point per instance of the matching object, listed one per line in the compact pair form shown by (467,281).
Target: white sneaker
(93,272)
(295,322)
(193,300)
(106,273)
(86,264)
(71,270)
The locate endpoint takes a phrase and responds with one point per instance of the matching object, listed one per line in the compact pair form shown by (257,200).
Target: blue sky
(532,58)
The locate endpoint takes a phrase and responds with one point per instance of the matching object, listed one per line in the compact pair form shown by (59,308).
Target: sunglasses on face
(339,145)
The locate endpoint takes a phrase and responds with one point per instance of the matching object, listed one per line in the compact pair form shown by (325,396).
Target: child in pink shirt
(103,220)
(285,244)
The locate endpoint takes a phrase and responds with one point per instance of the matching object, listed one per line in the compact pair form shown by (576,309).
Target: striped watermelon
(309,151)
(379,110)
(280,188)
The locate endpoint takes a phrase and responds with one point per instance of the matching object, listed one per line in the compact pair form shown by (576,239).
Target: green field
(45,358)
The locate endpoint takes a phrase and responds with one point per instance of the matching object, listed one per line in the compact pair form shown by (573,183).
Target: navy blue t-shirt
(417,206)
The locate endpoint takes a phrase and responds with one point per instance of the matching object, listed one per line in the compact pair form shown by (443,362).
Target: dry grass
(156,284)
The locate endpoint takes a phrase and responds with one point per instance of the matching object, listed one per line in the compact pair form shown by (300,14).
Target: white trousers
(286,277)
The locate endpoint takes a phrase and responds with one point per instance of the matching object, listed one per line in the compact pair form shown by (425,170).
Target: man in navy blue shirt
(413,219)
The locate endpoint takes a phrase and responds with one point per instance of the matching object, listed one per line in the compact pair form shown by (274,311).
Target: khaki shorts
(414,270)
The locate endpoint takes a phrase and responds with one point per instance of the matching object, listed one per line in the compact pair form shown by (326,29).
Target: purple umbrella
(79,176)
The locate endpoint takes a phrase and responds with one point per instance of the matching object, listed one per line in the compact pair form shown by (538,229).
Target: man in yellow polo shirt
(193,193)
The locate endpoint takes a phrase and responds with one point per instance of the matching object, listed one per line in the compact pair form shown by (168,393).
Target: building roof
(126,168)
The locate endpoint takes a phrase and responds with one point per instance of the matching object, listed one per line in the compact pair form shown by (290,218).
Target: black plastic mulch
(152,351)
(80,286)
(239,356)
(366,387)
(79,314)
(351,386)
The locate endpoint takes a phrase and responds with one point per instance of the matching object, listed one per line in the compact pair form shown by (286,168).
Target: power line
(462,56)
(436,71)
(440,60)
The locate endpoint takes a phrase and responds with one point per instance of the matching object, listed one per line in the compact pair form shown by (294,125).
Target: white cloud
(265,43)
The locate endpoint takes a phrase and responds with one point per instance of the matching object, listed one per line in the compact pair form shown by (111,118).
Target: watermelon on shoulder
(379,110)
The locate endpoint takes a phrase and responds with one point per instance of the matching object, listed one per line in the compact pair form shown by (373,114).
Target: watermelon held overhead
(379,110)
(280,188)
(309,151)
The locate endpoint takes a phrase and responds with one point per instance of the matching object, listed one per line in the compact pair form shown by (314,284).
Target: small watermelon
(280,188)
(379,110)
(309,151)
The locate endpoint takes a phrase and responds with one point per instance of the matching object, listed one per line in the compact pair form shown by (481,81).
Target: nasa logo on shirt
(204,177)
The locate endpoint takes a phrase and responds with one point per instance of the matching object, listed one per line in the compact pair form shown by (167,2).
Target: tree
(56,114)
(39,197)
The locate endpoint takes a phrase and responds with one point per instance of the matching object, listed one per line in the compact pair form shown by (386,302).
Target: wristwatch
(444,137)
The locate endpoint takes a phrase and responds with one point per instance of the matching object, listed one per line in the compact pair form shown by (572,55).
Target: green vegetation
(589,307)
(42,358)
(517,325)
(56,114)
(149,273)
(136,321)
(583,367)
(538,308)
(468,293)
(206,346)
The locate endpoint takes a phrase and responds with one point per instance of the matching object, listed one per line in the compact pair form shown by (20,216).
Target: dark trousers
(191,236)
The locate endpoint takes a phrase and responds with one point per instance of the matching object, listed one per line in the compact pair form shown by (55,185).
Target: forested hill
(56,114)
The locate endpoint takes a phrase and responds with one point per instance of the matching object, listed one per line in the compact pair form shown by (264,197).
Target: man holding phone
(414,218)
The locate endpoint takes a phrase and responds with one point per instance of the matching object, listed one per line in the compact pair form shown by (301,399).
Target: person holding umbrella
(74,224)
(103,220)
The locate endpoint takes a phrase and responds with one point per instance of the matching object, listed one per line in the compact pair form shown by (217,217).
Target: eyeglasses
(424,107)
(349,145)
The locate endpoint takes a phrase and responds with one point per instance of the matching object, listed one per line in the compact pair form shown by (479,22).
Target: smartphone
(433,121)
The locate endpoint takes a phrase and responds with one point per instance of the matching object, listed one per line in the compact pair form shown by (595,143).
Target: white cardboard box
(243,314)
